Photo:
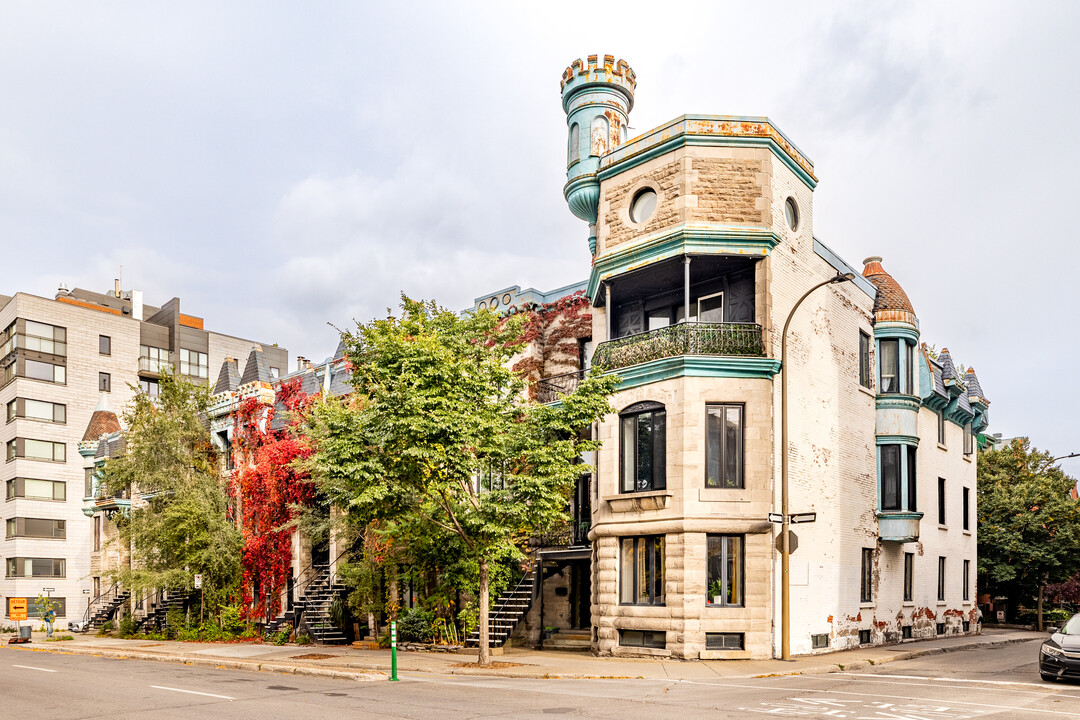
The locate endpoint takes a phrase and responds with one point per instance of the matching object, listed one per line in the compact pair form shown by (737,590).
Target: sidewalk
(364,665)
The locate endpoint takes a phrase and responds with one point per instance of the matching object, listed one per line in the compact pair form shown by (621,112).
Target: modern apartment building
(60,359)
(703,251)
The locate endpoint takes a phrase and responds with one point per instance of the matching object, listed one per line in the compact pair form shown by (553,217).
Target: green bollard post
(393,650)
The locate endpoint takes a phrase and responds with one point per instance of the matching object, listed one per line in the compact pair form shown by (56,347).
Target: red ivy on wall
(266,488)
(551,332)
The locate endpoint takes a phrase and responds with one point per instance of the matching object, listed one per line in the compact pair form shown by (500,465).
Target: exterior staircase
(508,611)
(103,608)
(157,615)
(311,610)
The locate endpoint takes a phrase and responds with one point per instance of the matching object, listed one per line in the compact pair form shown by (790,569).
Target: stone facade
(731,188)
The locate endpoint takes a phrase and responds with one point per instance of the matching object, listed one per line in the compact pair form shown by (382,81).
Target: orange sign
(17,608)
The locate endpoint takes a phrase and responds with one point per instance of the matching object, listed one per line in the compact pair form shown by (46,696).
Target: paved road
(983,683)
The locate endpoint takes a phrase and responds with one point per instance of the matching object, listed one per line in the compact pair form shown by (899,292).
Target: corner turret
(597,100)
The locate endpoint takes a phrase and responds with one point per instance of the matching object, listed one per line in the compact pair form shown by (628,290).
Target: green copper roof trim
(896,330)
(683,239)
(901,514)
(671,136)
(897,440)
(896,400)
(708,366)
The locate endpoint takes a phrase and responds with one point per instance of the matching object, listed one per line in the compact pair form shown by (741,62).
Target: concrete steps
(570,641)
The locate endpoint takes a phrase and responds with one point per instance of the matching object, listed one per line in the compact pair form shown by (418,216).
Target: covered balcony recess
(688,306)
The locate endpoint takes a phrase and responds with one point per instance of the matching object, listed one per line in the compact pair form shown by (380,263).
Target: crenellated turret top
(618,75)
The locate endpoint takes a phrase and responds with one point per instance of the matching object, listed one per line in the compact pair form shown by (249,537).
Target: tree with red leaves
(268,490)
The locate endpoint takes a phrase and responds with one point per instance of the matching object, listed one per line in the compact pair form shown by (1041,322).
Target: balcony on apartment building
(697,312)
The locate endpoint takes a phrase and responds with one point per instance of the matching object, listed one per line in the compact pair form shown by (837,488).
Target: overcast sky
(282,166)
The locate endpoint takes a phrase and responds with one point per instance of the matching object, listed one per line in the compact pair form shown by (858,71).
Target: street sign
(198,582)
(776,518)
(793,542)
(50,590)
(16,608)
(803,517)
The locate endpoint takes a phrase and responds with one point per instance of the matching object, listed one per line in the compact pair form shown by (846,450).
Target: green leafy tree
(179,523)
(1029,524)
(437,406)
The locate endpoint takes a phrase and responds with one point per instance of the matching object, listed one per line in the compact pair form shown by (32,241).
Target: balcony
(690,338)
(550,389)
(153,366)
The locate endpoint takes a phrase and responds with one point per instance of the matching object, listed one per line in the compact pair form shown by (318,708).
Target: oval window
(791,212)
(643,206)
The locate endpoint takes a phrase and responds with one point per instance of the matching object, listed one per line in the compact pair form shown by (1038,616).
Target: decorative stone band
(709,130)
(677,241)
(687,524)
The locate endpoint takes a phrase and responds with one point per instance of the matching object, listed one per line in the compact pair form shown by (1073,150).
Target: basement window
(724,641)
(905,632)
(819,641)
(643,638)
(967,626)
(940,628)
(864,637)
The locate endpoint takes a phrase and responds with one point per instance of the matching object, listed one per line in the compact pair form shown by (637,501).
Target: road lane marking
(1044,686)
(30,667)
(192,692)
(879,695)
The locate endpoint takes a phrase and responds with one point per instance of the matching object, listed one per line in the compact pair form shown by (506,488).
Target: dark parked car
(1059,656)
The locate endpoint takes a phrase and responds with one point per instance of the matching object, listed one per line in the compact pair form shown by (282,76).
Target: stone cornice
(709,130)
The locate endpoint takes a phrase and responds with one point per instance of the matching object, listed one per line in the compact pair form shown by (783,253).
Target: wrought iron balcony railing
(691,338)
(552,388)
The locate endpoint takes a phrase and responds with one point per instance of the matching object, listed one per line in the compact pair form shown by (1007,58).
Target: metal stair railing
(115,594)
(503,614)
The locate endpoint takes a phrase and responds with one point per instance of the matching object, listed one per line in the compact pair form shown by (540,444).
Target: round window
(791,212)
(643,205)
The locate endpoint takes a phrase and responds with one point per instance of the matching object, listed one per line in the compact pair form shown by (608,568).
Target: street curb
(370,673)
(908,655)
(281,668)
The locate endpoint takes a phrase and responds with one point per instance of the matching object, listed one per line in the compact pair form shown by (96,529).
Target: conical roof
(103,421)
(971,381)
(890,298)
(229,377)
(257,368)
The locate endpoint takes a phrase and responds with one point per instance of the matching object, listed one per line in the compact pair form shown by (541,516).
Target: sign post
(17,612)
(393,650)
(202,603)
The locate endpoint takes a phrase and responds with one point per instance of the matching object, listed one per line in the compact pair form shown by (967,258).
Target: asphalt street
(997,682)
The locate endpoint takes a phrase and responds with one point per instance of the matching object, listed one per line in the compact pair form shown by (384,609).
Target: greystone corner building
(702,238)
(703,242)
(68,366)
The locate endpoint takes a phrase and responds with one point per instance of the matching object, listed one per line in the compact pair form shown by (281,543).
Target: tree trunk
(372,631)
(485,640)
(1039,627)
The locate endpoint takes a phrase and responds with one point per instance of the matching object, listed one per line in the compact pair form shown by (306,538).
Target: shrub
(304,639)
(281,636)
(414,625)
(127,626)
(231,622)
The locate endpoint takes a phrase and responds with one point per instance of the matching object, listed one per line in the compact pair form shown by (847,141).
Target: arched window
(574,150)
(600,130)
(643,447)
